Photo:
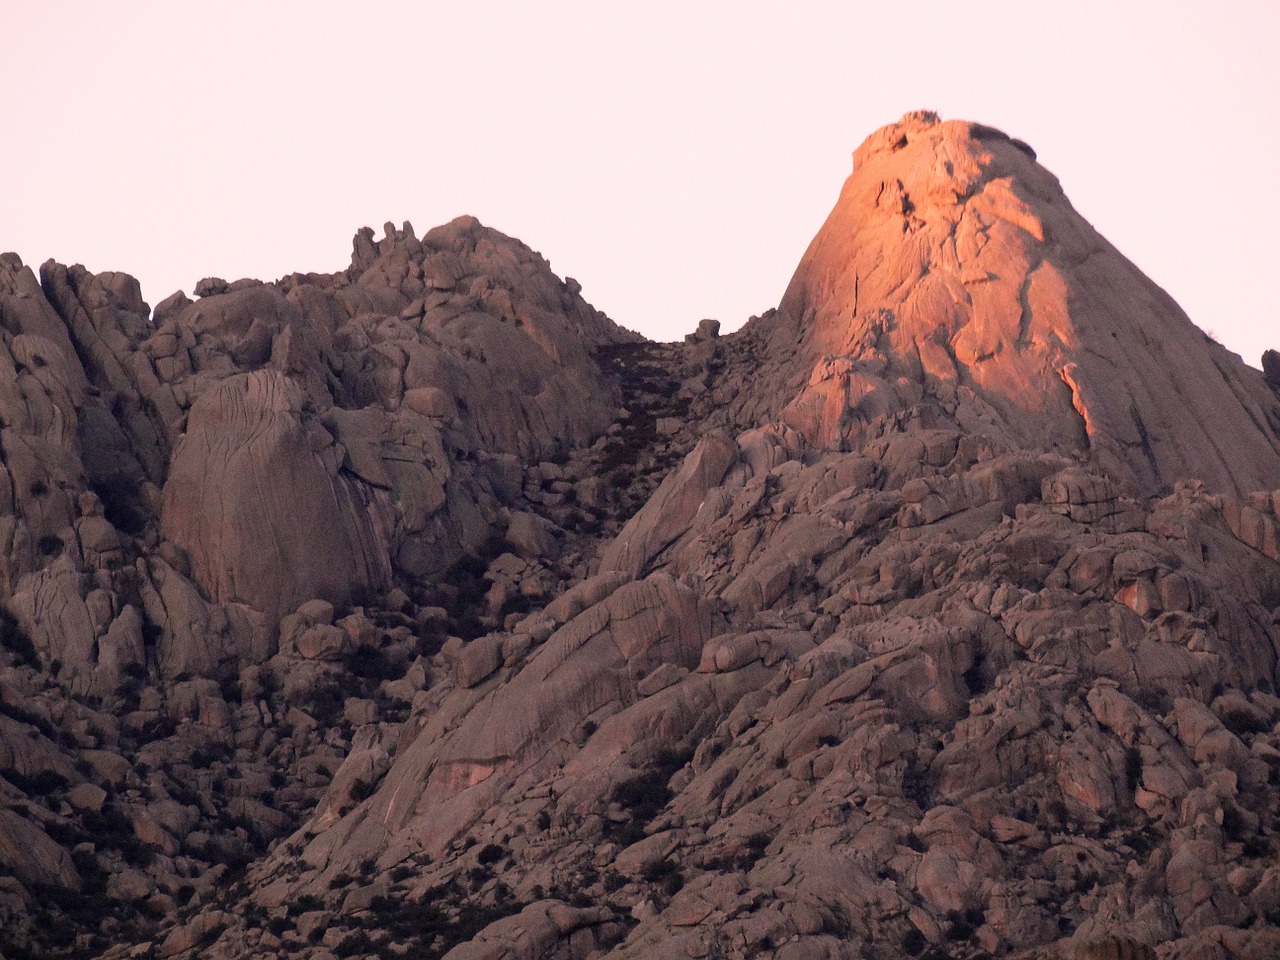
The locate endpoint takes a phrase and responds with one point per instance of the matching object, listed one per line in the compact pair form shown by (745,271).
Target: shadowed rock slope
(417,610)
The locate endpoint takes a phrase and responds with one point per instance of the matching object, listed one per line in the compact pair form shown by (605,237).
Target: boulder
(29,854)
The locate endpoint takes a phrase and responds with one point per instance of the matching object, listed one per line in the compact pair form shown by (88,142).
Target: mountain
(954,284)
(419,610)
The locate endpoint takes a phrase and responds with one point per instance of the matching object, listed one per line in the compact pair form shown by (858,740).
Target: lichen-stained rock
(256,500)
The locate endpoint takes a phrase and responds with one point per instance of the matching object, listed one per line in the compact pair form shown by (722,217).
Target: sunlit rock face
(954,284)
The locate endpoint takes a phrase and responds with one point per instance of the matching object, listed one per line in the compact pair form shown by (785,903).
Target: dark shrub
(1243,722)
(644,795)
(491,853)
(14,639)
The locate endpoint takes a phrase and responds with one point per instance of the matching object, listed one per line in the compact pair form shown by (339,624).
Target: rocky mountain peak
(953,284)
(417,610)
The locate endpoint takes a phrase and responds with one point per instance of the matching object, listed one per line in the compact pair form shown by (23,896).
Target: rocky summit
(419,610)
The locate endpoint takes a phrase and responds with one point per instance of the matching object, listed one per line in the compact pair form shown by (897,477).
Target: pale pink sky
(675,158)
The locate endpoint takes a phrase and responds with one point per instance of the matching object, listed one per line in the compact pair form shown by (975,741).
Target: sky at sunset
(676,158)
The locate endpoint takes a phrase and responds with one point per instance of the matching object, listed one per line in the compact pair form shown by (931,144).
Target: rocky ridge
(418,610)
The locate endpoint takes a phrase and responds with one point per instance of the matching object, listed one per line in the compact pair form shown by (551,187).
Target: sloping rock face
(250,497)
(954,284)
(967,708)
(417,610)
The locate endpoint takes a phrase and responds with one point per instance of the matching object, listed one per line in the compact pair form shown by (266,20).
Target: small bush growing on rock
(1142,842)
(161,728)
(356,944)
(668,760)
(1234,824)
(1243,722)
(1086,881)
(229,687)
(204,757)
(135,671)
(14,639)
(1155,702)
(918,785)
(490,853)
(327,702)
(913,942)
(42,784)
(430,638)
(962,926)
(362,790)
(111,828)
(371,663)
(644,795)
(123,504)
(278,925)
(1056,813)
(1133,767)
(22,715)
(305,904)
(659,870)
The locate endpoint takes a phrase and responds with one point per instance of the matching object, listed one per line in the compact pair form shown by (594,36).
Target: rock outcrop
(418,610)
(954,284)
(265,517)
